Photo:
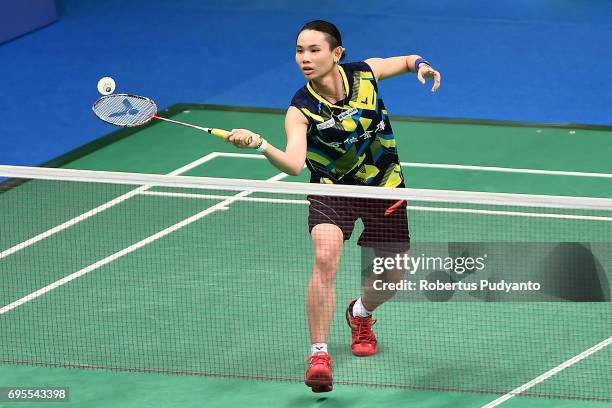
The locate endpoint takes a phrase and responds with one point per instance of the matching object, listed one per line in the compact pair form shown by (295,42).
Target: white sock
(318,348)
(359,309)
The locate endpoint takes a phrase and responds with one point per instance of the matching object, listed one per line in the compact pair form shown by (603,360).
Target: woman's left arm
(389,67)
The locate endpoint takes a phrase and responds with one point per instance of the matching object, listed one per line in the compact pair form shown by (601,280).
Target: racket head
(124,109)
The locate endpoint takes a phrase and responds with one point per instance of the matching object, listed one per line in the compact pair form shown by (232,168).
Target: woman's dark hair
(333,34)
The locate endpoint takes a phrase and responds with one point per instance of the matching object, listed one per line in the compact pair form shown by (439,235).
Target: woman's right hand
(243,138)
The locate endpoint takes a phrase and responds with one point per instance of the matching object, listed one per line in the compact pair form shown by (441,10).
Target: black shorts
(379,230)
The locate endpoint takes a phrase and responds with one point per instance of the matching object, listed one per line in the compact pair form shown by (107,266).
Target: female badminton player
(338,126)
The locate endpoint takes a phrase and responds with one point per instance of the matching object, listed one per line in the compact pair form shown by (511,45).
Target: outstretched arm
(291,160)
(389,67)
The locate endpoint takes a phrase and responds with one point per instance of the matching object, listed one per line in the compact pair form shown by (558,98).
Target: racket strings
(125,110)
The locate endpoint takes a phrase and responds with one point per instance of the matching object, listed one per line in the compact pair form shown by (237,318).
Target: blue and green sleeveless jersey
(351,141)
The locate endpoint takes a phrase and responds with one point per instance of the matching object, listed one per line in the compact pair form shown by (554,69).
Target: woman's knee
(326,262)
(327,241)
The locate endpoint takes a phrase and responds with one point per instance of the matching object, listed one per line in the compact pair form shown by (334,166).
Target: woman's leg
(327,241)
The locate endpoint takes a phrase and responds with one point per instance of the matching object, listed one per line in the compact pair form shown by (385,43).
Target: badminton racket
(133,110)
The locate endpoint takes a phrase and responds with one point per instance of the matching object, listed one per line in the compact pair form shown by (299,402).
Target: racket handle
(218,132)
(223,133)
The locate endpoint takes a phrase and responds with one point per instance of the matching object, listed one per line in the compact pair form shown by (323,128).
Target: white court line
(513,213)
(550,373)
(410,207)
(221,197)
(241,155)
(219,206)
(463,167)
(506,170)
(99,209)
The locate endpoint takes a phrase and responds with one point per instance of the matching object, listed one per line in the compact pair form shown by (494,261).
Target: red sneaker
(319,373)
(363,338)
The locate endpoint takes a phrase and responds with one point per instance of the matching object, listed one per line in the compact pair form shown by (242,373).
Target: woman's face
(313,54)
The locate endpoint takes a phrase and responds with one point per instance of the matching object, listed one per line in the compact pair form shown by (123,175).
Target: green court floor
(145,309)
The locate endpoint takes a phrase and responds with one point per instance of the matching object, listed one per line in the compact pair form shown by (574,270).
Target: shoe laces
(319,358)
(363,329)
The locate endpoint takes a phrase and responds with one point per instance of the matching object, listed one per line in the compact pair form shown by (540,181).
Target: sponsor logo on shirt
(367,134)
(349,112)
(326,125)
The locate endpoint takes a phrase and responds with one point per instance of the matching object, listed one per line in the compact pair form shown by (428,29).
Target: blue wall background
(20,17)
(525,60)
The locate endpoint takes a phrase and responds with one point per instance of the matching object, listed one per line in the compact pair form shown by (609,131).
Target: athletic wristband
(261,147)
(419,62)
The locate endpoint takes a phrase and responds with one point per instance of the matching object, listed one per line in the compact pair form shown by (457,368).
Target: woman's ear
(338,52)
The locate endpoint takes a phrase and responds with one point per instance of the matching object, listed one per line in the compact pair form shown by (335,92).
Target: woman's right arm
(290,161)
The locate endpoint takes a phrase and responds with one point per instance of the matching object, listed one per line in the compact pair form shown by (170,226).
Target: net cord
(282,187)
